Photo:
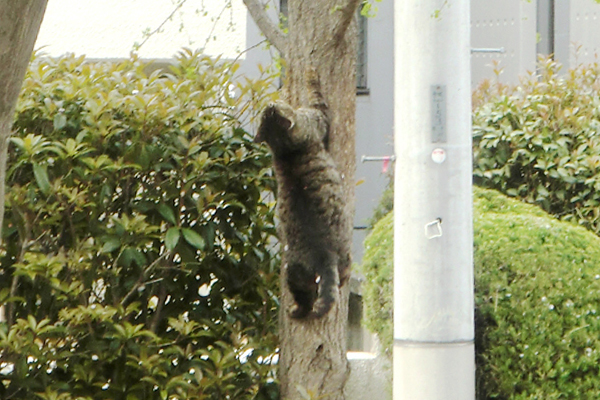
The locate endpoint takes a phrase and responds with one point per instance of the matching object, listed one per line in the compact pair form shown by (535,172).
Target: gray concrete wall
(580,43)
(258,52)
(510,24)
(370,377)
(374,120)
(562,34)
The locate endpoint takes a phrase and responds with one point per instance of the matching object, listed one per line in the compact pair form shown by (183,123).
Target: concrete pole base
(434,371)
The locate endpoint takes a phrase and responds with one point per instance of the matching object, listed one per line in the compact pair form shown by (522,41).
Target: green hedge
(540,141)
(137,259)
(537,284)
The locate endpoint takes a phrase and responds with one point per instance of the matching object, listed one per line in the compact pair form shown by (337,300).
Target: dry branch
(271,31)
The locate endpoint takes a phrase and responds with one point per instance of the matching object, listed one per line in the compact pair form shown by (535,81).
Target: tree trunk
(321,35)
(19,25)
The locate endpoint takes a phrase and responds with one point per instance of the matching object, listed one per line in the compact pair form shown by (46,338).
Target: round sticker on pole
(438,156)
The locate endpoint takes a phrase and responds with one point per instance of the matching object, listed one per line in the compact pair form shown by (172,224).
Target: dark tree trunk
(321,35)
(20,22)
(19,25)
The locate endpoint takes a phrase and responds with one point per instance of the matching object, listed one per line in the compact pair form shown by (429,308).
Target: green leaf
(103,235)
(172,238)
(41,178)
(167,213)
(193,238)
(130,254)
(60,121)
(112,244)
(542,191)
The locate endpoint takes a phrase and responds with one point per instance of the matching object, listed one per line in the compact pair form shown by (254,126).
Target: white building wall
(258,52)
(110,28)
(581,42)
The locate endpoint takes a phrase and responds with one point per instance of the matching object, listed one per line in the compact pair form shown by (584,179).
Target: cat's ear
(276,117)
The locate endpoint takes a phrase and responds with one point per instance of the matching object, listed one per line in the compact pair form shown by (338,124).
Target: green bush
(137,259)
(386,203)
(537,290)
(540,141)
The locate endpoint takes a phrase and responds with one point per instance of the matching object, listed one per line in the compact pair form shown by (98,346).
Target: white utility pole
(434,357)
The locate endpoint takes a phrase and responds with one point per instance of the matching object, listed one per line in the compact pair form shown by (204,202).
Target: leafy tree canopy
(138,259)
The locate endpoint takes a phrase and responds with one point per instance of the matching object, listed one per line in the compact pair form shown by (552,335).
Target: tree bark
(19,25)
(322,34)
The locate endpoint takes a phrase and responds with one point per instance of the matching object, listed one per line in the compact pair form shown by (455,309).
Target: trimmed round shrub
(539,141)
(138,259)
(537,290)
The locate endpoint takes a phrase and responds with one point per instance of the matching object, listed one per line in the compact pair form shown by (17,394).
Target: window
(283,7)
(361,54)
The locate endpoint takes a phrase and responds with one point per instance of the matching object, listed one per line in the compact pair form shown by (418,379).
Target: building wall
(110,28)
(374,120)
(581,32)
(370,377)
(258,52)
(508,24)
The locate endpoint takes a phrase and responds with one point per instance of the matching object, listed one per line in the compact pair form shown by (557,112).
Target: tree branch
(216,21)
(148,35)
(162,297)
(273,34)
(346,13)
(141,281)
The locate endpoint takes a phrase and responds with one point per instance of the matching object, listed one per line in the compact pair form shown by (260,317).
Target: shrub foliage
(540,141)
(537,287)
(137,259)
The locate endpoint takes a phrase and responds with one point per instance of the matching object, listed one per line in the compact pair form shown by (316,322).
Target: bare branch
(237,58)
(215,23)
(271,31)
(346,13)
(140,281)
(148,35)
